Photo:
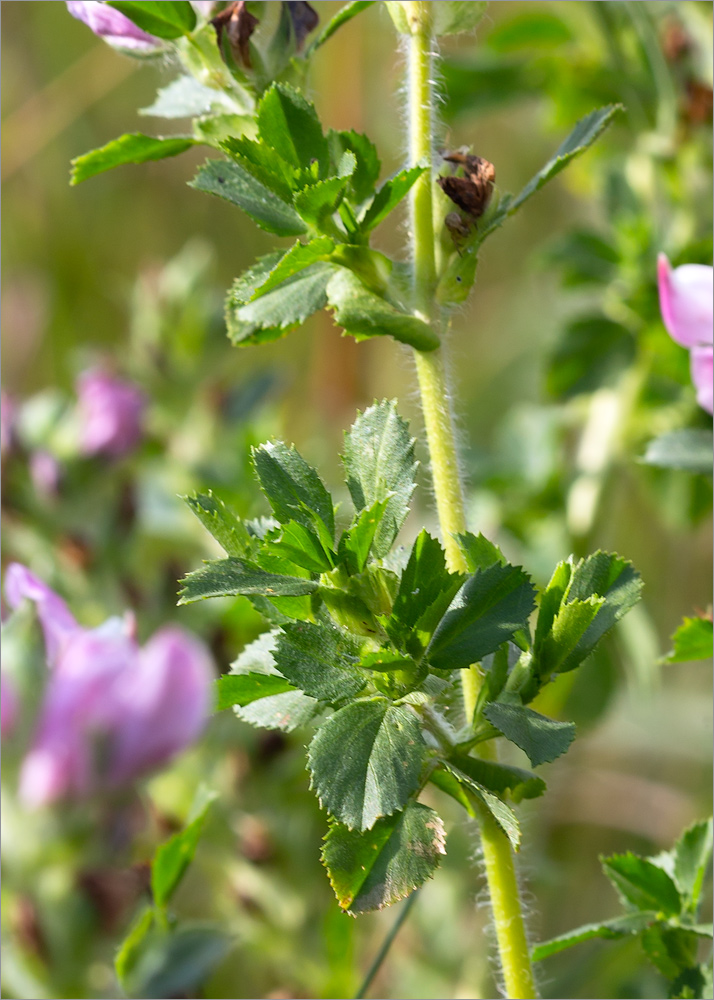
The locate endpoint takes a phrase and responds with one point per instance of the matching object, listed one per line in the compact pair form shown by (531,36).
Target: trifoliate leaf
(299,257)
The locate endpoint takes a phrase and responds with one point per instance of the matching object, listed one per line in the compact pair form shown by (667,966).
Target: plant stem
(386,945)
(441,443)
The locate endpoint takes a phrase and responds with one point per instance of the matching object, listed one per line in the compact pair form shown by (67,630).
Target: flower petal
(58,623)
(702,368)
(685,295)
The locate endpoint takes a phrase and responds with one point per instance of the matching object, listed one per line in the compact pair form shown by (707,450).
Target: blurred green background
(641,768)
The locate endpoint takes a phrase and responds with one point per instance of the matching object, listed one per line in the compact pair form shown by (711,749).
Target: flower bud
(111,413)
(113,27)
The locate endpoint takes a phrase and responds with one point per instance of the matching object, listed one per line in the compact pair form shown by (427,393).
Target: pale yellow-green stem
(441,442)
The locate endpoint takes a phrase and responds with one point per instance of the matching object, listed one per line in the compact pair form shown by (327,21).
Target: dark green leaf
(285,711)
(232,182)
(694,983)
(689,450)
(642,884)
(692,857)
(364,314)
(502,778)
(293,488)
(175,855)
(479,552)
(288,123)
(630,923)
(490,608)
(389,196)
(503,814)
(425,592)
(243,689)
(299,257)
(369,870)
(380,465)
(366,174)
(262,162)
(166,19)
(230,577)
(540,738)
(185,97)
(230,533)
(592,352)
(366,761)
(343,15)
(321,661)
(692,641)
(131,148)
(356,542)
(279,311)
(177,963)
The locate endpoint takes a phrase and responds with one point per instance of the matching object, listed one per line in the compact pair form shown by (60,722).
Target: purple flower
(111,711)
(685,297)
(111,412)
(112,26)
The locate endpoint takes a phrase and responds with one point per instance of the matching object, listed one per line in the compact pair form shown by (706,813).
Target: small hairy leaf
(175,855)
(389,196)
(689,449)
(364,314)
(321,661)
(372,869)
(642,884)
(540,738)
(503,814)
(230,577)
(289,124)
(365,761)
(692,857)
(167,19)
(293,488)
(692,641)
(502,778)
(134,147)
(490,608)
(230,533)
(380,465)
(232,182)
(630,923)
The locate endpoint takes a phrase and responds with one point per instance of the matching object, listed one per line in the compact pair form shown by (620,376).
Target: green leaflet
(365,761)
(294,489)
(364,314)
(689,449)
(479,552)
(232,182)
(691,641)
(317,202)
(692,857)
(503,814)
(302,547)
(343,15)
(230,577)
(389,196)
(368,167)
(356,542)
(490,608)
(289,124)
(243,689)
(321,661)
(502,778)
(134,147)
(540,738)
(167,19)
(230,533)
(642,884)
(175,855)
(264,164)
(380,465)
(372,869)
(299,257)
(630,923)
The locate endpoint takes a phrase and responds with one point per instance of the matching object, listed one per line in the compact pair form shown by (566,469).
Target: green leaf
(692,641)
(593,351)
(692,857)
(289,124)
(175,855)
(321,661)
(693,983)
(356,542)
(672,950)
(319,201)
(365,762)
(366,173)
(264,164)
(166,19)
(380,465)
(177,963)
(230,181)
(369,870)
(243,689)
(389,196)
(530,29)
(559,650)
(230,533)
(214,129)
(285,711)
(363,314)
(642,884)
(303,548)
(230,577)
(185,97)
(502,778)
(134,147)
(425,592)
(276,313)
(630,923)
(343,15)
(490,608)
(479,552)
(299,257)
(689,450)
(503,814)
(132,945)
(540,738)
(293,488)
(454,16)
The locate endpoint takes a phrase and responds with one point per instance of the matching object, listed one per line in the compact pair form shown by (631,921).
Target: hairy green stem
(441,443)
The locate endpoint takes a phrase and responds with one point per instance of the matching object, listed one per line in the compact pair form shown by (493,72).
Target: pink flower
(8,707)
(111,711)
(111,412)
(112,26)
(686,296)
